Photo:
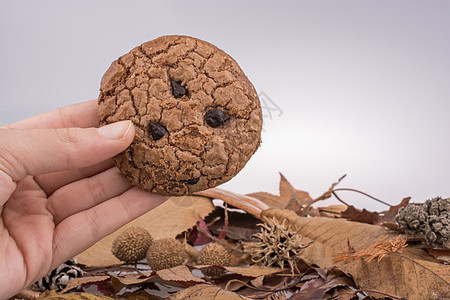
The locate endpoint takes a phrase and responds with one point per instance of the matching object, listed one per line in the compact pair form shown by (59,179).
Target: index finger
(82,115)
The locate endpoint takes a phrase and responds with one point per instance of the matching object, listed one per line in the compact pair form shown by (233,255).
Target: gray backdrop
(348,87)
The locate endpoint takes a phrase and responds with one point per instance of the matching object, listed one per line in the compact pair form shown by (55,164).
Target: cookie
(197,117)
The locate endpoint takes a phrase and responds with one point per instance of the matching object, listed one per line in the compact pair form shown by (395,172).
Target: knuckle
(69,144)
(96,188)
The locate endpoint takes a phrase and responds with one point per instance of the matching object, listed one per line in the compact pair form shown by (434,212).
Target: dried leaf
(140,295)
(363,216)
(332,211)
(72,296)
(296,200)
(76,282)
(118,282)
(205,291)
(198,235)
(249,204)
(179,274)
(240,225)
(389,215)
(442,255)
(414,274)
(329,280)
(253,271)
(167,220)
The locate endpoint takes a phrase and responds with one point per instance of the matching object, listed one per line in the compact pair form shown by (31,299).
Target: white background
(363,86)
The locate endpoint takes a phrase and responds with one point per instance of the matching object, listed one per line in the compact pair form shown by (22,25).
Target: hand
(60,191)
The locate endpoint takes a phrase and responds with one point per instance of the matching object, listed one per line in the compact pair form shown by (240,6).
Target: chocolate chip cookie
(197,117)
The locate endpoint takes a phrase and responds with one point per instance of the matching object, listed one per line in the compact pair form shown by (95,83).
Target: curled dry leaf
(206,291)
(329,280)
(249,204)
(413,274)
(167,220)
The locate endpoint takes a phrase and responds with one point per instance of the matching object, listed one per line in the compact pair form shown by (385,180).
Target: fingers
(80,231)
(77,115)
(40,151)
(52,181)
(86,193)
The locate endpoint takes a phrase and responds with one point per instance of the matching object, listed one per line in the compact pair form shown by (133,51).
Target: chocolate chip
(192,181)
(215,117)
(178,90)
(157,131)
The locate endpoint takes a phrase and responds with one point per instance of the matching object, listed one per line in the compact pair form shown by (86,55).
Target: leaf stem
(365,194)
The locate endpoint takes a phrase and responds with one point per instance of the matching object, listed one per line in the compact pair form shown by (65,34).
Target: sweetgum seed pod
(166,253)
(214,254)
(132,245)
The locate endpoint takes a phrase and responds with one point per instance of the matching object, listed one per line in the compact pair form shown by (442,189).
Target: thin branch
(365,194)
(339,199)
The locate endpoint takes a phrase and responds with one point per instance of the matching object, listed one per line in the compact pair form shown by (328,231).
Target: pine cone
(59,277)
(437,207)
(430,220)
(412,219)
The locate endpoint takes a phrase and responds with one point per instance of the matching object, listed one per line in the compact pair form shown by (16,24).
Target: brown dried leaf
(72,296)
(371,217)
(118,282)
(140,295)
(363,216)
(167,220)
(247,203)
(179,274)
(76,282)
(414,274)
(205,292)
(332,211)
(329,280)
(389,215)
(253,271)
(240,225)
(442,255)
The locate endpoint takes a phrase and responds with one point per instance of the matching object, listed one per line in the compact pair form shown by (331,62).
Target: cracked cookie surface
(197,117)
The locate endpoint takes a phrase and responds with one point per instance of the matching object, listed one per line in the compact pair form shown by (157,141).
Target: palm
(74,198)
(27,230)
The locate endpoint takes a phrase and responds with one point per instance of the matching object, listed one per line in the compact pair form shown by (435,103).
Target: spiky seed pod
(412,219)
(276,245)
(131,245)
(214,254)
(166,253)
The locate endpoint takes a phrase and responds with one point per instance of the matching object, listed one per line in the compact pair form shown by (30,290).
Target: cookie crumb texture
(197,117)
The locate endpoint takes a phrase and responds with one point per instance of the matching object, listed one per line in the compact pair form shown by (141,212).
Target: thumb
(40,151)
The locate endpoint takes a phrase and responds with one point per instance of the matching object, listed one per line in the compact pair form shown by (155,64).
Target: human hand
(60,191)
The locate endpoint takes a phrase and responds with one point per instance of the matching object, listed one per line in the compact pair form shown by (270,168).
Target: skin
(60,192)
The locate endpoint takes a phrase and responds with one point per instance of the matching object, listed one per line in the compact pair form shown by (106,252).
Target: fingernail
(115,131)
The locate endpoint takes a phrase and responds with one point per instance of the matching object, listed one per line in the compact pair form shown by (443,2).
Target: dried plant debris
(214,254)
(58,278)
(430,220)
(132,245)
(166,253)
(277,244)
